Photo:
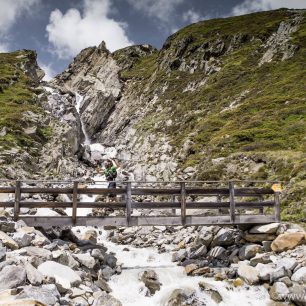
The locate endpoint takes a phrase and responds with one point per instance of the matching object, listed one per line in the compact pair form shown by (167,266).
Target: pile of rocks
(273,254)
(52,269)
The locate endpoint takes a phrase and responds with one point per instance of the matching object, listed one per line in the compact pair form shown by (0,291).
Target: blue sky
(59,29)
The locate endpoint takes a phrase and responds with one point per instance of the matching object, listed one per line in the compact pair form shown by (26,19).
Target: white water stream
(127,288)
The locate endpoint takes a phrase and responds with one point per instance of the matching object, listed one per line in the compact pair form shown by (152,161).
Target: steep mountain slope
(222,99)
(32,140)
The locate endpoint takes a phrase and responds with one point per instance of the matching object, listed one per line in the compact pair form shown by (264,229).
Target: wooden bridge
(182,203)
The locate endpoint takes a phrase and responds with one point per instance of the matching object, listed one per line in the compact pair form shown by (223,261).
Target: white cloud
(4,47)
(191,16)
(162,10)
(249,6)
(73,31)
(11,10)
(49,71)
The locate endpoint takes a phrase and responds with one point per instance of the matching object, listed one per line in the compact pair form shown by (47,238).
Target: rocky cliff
(222,99)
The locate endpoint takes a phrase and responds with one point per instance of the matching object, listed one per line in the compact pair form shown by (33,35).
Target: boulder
(278,291)
(250,250)
(110,260)
(85,259)
(201,251)
(182,297)
(225,237)
(278,273)
(206,234)
(7,226)
(299,276)
(191,267)
(22,239)
(287,263)
(179,255)
(150,280)
(265,229)
(90,235)
(260,258)
(298,295)
(106,273)
(8,241)
(2,252)
(64,276)
(217,252)
(264,271)
(12,276)
(247,273)
(102,284)
(212,291)
(38,252)
(288,241)
(258,237)
(105,299)
(33,275)
(47,294)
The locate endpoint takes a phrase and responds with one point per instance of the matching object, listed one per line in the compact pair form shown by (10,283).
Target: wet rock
(183,297)
(288,241)
(90,235)
(201,271)
(249,274)
(8,241)
(98,254)
(265,229)
(12,276)
(33,275)
(102,284)
(106,300)
(110,260)
(106,273)
(179,255)
(47,294)
(64,276)
(212,291)
(249,251)
(299,276)
(278,291)
(150,280)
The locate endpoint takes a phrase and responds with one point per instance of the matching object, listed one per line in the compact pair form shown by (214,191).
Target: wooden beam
(277,206)
(232,201)
(128,199)
(7,189)
(261,209)
(183,202)
(17,200)
(74,202)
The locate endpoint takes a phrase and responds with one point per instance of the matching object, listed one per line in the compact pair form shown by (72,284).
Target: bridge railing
(186,203)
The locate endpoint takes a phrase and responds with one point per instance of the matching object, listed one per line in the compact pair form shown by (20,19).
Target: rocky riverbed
(264,265)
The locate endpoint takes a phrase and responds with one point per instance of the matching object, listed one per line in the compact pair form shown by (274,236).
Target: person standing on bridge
(110,172)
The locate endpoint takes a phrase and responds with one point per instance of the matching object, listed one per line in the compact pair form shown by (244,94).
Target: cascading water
(79,100)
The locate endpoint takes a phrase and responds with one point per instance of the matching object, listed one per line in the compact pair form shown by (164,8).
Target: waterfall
(79,100)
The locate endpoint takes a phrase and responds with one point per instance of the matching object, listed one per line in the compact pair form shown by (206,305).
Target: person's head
(107,163)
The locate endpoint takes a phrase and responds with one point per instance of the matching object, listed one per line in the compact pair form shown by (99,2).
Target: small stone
(249,251)
(190,268)
(260,258)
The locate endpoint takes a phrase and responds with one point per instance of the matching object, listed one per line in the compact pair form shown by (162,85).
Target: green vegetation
(17,103)
(244,110)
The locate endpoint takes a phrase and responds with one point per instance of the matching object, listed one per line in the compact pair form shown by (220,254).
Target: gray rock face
(47,294)
(12,276)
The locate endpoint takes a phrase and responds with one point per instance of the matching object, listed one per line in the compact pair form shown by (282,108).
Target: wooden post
(173,209)
(183,203)
(219,201)
(17,200)
(277,206)
(261,209)
(74,202)
(232,201)
(128,203)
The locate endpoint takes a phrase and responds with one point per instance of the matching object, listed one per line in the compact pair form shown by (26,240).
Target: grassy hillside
(19,103)
(217,93)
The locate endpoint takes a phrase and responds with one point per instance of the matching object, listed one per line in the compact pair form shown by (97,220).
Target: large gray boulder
(265,229)
(12,276)
(225,237)
(47,294)
(85,259)
(64,276)
(33,275)
(299,276)
(22,239)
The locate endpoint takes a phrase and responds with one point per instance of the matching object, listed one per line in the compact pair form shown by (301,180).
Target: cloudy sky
(59,29)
